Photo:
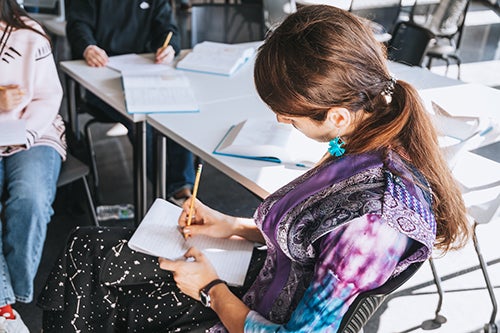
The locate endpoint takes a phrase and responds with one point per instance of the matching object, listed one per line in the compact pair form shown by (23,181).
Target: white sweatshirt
(26,60)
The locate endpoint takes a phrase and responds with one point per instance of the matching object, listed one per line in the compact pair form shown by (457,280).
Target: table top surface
(225,101)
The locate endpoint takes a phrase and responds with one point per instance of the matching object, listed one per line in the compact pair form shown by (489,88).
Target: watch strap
(204,296)
(209,286)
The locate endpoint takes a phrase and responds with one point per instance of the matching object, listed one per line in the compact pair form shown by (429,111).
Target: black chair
(446,21)
(408,43)
(383,16)
(227,23)
(365,305)
(72,170)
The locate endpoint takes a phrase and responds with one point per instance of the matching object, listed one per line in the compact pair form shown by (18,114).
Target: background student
(29,90)
(97,29)
(381,198)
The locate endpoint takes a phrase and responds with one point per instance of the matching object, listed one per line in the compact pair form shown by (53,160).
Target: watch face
(205,299)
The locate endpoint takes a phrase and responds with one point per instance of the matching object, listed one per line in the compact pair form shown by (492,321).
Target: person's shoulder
(32,24)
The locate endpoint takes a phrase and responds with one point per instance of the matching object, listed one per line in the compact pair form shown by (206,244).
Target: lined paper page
(158,235)
(169,91)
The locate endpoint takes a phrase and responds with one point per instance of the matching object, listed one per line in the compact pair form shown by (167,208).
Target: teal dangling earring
(335,147)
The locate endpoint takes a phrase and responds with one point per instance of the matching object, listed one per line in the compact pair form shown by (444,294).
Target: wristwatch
(204,295)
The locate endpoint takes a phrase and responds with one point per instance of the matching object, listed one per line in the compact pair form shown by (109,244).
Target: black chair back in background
(385,14)
(227,23)
(408,43)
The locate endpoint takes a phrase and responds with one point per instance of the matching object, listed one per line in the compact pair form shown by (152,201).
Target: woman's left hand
(190,275)
(165,55)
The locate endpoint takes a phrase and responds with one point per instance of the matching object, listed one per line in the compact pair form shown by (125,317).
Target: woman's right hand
(10,97)
(206,221)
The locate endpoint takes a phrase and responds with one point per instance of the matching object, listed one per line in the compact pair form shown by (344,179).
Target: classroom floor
(466,303)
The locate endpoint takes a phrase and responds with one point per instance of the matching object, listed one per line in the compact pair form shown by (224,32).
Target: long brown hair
(322,57)
(11,13)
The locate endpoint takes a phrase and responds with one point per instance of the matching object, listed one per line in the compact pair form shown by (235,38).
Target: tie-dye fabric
(340,229)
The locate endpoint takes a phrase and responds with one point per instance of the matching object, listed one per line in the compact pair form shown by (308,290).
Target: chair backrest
(275,11)
(365,305)
(444,19)
(385,13)
(235,23)
(408,43)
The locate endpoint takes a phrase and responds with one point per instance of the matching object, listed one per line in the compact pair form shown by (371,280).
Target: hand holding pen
(166,53)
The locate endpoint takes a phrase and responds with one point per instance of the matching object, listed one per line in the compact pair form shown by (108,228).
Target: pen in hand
(193,198)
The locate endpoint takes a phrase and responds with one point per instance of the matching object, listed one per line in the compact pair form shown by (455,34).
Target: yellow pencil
(167,40)
(195,192)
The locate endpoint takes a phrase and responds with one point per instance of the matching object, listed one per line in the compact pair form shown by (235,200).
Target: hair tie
(389,89)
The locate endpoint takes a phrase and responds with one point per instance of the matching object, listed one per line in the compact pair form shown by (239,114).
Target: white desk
(201,132)
(105,83)
(225,101)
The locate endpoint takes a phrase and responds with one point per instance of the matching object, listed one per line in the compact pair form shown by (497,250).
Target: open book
(216,58)
(13,132)
(155,92)
(268,140)
(158,234)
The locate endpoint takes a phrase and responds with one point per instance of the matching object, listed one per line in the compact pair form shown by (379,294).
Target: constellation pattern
(101,285)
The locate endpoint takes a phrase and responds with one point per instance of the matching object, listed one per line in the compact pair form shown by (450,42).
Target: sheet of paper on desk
(13,132)
(166,91)
(135,63)
(158,235)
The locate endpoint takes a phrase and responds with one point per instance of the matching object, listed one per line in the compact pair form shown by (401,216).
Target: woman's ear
(339,118)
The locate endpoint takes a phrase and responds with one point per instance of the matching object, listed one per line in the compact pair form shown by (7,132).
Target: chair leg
(90,201)
(93,160)
(429,62)
(438,318)
(459,62)
(490,327)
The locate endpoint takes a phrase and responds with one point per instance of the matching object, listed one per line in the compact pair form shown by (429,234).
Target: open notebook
(217,58)
(153,88)
(268,140)
(158,234)
(166,91)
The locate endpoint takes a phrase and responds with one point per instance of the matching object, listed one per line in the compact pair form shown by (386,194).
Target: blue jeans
(180,163)
(29,179)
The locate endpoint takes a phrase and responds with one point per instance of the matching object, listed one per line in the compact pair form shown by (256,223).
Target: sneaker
(180,197)
(13,325)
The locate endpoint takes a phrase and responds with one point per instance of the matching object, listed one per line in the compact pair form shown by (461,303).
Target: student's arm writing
(209,222)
